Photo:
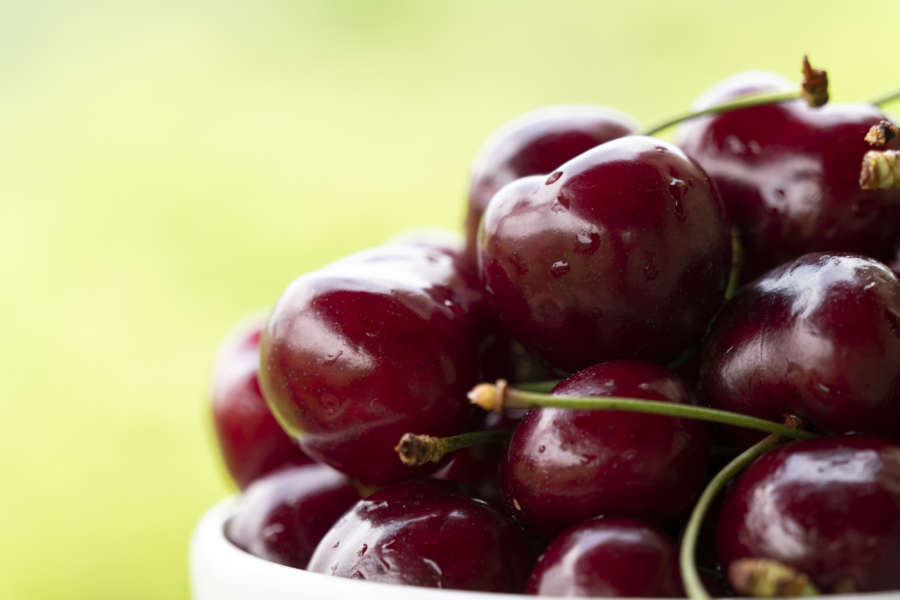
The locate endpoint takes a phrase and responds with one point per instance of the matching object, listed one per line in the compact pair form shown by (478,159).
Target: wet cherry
(622,252)
(282,516)
(829,508)
(250,439)
(790,175)
(535,144)
(426,533)
(564,466)
(371,347)
(609,558)
(818,337)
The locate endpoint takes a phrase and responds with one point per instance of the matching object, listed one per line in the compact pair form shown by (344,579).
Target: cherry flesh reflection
(536,143)
(250,439)
(818,337)
(609,558)
(790,174)
(622,252)
(829,508)
(426,533)
(379,344)
(564,466)
(282,516)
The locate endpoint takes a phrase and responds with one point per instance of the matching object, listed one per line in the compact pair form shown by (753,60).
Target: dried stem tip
(881,134)
(765,578)
(880,170)
(815,84)
(419,449)
(489,396)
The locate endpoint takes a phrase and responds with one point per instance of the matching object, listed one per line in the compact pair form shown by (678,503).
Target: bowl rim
(215,565)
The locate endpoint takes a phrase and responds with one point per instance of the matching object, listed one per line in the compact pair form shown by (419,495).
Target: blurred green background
(168,167)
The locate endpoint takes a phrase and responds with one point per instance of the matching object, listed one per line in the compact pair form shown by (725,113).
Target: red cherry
(426,533)
(829,508)
(282,516)
(374,346)
(609,558)
(250,439)
(564,466)
(818,337)
(622,252)
(790,175)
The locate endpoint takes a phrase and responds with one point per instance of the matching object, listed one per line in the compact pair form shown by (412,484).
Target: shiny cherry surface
(818,337)
(622,252)
(790,175)
(829,508)
(535,144)
(564,466)
(374,346)
(282,516)
(609,558)
(250,439)
(426,533)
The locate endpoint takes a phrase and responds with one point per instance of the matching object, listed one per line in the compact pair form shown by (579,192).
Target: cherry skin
(564,466)
(536,143)
(426,533)
(282,516)
(250,439)
(622,252)
(818,337)
(609,558)
(374,346)
(829,508)
(790,175)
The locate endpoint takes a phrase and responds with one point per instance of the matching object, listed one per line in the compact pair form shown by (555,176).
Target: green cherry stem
(742,102)
(418,449)
(689,575)
(813,89)
(886,98)
(496,397)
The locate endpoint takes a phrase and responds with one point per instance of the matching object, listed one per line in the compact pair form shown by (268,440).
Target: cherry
(829,508)
(790,174)
(250,439)
(818,337)
(622,252)
(371,347)
(564,466)
(536,143)
(606,558)
(282,516)
(426,533)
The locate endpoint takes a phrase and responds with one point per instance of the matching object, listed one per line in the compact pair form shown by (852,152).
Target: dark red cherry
(818,337)
(374,346)
(790,175)
(426,533)
(536,143)
(609,558)
(564,466)
(622,252)
(282,516)
(250,439)
(829,508)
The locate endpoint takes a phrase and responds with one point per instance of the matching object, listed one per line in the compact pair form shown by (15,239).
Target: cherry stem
(545,386)
(689,575)
(737,261)
(498,396)
(886,99)
(739,103)
(418,449)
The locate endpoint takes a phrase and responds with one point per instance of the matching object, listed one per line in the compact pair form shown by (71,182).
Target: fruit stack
(645,323)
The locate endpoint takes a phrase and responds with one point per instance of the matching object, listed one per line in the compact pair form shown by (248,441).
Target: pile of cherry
(720,302)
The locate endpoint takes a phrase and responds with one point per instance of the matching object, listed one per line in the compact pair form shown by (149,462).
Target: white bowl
(221,571)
